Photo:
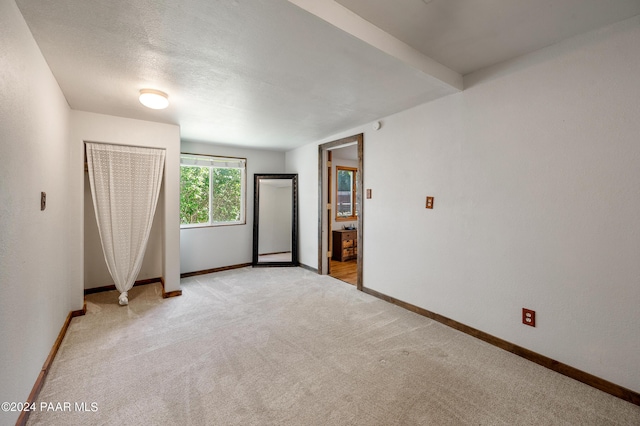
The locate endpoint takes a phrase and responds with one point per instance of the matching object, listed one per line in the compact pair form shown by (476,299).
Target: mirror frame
(294,217)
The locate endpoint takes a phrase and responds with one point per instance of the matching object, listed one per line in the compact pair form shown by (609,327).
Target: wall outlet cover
(528,317)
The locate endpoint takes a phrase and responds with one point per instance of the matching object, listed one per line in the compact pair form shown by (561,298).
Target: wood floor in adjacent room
(345,271)
(286,346)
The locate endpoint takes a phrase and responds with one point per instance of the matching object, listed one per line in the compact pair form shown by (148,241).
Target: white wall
(534,170)
(34,260)
(219,246)
(96,273)
(304,162)
(90,127)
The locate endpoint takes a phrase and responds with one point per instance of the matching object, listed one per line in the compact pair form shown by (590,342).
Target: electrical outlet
(528,317)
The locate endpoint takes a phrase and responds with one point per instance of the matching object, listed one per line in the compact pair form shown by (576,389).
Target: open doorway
(341,210)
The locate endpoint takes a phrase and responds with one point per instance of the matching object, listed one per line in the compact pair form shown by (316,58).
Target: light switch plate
(429,202)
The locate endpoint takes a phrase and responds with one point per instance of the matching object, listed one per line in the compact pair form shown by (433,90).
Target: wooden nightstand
(345,245)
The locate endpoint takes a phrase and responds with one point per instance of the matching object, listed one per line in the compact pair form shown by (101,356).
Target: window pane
(194,195)
(345,185)
(355,198)
(227,195)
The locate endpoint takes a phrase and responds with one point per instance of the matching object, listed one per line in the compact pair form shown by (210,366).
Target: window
(212,190)
(346,190)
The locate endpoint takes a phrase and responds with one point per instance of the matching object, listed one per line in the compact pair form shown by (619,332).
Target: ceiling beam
(344,19)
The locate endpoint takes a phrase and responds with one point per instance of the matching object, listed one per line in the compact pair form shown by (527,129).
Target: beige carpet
(286,346)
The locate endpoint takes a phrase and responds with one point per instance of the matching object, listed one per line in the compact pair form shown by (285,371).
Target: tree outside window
(211,191)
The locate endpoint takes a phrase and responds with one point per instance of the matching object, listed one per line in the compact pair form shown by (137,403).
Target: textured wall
(34,259)
(534,169)
(304,162)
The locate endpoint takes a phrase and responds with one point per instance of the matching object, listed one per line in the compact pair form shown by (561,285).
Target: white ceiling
(253,73)
(466,35)
(273,74)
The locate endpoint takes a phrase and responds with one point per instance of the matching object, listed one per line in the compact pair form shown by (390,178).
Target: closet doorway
(341,209)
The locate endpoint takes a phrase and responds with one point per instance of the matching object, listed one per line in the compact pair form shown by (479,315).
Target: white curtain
(125,183)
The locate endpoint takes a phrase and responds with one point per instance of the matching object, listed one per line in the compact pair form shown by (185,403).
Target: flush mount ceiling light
(154,99)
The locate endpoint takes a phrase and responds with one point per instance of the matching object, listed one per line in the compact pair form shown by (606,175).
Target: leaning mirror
(275,220)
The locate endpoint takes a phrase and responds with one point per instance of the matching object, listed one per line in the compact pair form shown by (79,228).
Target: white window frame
(217,162)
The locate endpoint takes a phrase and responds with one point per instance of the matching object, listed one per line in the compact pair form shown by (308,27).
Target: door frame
(323,217)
